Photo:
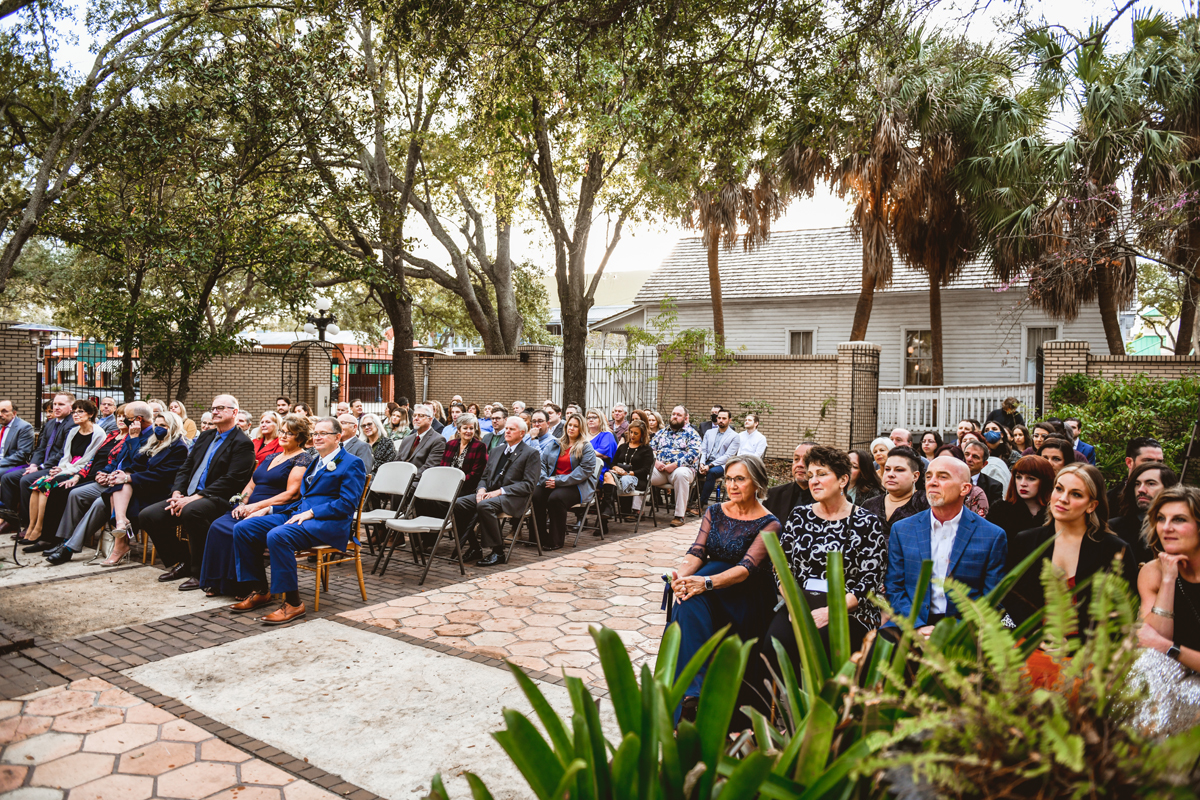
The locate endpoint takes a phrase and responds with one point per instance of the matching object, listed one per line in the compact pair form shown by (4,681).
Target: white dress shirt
(751,443)
(941,543)
(326,461)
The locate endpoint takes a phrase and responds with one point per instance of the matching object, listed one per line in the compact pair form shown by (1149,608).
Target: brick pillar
(1061,357)
(539,371)
(865,406)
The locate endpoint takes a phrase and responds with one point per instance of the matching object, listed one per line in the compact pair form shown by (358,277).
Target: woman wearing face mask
(147,480)
(1082,547)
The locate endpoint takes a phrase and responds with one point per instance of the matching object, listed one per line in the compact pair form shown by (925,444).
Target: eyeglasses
(322,434)
(219,409)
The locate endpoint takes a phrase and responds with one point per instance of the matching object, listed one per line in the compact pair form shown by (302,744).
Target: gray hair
(363,420)
(423,408)
(467,418)
(973,442)
(520,423)
(757,469)
(337,426)
(620,406)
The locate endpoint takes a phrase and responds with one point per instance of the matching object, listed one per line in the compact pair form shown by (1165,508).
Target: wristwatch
(708,584)
(1173,652)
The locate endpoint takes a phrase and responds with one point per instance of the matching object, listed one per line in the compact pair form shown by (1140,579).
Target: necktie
(498,474)
(3,433)
(197,482)
(416,444)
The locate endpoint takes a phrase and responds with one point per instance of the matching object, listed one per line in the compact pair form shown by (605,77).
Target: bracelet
(1162,612)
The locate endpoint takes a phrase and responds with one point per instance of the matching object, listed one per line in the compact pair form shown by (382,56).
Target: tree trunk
(1107,298)
(1187,317)
(862,311)
(185,375)
(714,287)
(399,313)
(574,327)
(935,329)
(508,318)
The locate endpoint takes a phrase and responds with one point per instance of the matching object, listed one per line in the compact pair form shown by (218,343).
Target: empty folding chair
(392,483)
(438,484)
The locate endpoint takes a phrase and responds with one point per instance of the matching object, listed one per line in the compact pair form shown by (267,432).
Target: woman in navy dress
(725,578)
(276,482)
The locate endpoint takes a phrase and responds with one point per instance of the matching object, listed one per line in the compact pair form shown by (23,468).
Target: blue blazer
(332,496)
(1088,451)
(977,560)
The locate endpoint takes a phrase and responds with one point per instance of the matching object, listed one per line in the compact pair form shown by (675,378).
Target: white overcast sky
(645,246)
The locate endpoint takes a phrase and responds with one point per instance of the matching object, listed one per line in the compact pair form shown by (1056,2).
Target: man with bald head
(963,546)
(218,467)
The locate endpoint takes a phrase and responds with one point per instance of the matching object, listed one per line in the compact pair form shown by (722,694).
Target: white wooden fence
(941,408)
(610,381)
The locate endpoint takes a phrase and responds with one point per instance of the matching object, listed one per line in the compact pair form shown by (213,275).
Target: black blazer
(230,468)
(1129,529)
(992,489)
(1013,517)
(783,498)
(1095,554)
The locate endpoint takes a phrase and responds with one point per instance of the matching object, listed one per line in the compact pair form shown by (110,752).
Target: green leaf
(1066,747)
(672,764)
(586,782)
(624,768)
(648,754)
(840,768)
(815,750)
(813,662)
(530,753)
(548,717)
(746,778)
(839,615)
(437,789)
(618,673)
(598,747)
(478,790)
(693,667)
(718,696)
(797,702)
(564,786)
(668,655)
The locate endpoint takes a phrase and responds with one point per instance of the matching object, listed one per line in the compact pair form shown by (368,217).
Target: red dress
(1040,668)
(264,450)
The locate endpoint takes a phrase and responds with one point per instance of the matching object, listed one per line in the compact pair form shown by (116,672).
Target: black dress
(1187,614)
(1013,517)
(878,506)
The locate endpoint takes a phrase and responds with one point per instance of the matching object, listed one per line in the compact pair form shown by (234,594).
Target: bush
(1114,411)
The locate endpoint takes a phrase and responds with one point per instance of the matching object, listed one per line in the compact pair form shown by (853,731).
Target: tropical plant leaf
(815,750)
(437,789)
(839,615)
(718,697)
(692,668)
(478,790)
(814,664)
(546,715)
(668,655)
(530,753)
(624,768)
(744,782)
(618,673)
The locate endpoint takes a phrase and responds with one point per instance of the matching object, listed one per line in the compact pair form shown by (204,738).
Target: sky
(644,246)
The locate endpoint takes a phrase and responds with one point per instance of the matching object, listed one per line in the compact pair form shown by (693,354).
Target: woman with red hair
(1024,504)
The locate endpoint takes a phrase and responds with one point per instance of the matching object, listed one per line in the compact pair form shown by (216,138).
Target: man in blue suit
(1074,425)
(324,515)
(962,545)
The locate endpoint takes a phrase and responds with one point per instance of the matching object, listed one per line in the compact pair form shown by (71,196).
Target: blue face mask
(160,432)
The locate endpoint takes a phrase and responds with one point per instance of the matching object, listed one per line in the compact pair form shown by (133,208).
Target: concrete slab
(35,568)
(106,600)
(383,714)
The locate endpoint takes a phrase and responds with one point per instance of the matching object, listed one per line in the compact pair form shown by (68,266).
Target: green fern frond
(1061,622)
(995,642)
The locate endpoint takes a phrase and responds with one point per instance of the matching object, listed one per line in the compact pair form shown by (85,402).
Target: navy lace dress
(722,544)
(219,570)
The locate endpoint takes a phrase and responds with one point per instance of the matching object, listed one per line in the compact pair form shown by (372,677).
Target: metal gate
(86,368)
(613,377)
(295,361)
(370,380)
(864,397)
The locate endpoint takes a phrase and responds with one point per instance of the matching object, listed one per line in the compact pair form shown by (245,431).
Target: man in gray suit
(507,483)
(354,445)
(424,446)
(16,437)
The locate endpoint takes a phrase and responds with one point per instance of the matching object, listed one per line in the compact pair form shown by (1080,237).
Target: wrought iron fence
(86,368)
(615,377)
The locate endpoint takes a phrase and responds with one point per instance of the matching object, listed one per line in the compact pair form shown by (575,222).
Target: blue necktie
(197,482)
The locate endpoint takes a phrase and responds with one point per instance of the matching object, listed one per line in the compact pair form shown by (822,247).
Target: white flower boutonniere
(331,466)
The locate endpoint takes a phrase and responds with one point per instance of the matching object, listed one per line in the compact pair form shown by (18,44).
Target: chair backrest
(362,504)
(394,477)
(440,484)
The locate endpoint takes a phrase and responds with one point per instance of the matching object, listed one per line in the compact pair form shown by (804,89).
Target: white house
(797,294)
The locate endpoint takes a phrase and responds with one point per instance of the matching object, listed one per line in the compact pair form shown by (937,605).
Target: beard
(676,426)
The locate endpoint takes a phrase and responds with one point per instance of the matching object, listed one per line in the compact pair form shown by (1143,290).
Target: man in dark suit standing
(962,545)
(783,498)
(218,467)
(976,453)
(15,485)
(512,473)
(1074,426)
(423,447)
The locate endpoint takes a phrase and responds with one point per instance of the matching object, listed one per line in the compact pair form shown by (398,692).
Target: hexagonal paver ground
(99,742)
(538,616)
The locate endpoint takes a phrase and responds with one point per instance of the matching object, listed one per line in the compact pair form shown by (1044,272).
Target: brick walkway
(99,742)
(538,616)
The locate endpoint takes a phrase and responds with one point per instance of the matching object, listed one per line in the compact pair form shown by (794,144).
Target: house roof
(804,263)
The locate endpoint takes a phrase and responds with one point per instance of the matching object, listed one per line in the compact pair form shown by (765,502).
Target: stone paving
(537,616)
(90,740)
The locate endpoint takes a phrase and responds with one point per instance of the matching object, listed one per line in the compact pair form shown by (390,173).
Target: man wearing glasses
(353,444)
(424,446)
(324,515)
(218,467)
(496,438)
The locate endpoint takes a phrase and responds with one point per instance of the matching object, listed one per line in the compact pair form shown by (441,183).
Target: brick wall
(798,387)
(18,372)
(1066,357)
(252,377)
(487,379)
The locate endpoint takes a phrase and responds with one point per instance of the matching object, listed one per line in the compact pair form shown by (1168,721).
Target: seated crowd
(976,507)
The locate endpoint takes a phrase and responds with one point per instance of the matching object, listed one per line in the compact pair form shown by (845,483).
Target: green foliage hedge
(1114,411)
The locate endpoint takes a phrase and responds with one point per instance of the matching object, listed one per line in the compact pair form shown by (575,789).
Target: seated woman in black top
(631,465)
(864,479)
(904,494)
(1169,586)
(1079,512)
(1024,504)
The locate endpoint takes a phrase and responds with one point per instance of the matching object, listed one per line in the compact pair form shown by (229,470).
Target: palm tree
(719,214)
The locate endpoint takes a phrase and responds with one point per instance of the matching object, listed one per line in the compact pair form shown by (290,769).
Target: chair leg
(429,559)
(362,586)
(317,601)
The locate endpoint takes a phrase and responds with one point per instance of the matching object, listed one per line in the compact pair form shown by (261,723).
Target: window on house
(1035,338)
(918,358)
(800,343)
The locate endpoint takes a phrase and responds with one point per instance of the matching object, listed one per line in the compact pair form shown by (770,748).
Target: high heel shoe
(120,560)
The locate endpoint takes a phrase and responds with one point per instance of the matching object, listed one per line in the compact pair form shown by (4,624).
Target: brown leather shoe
(253,601)
(284,613)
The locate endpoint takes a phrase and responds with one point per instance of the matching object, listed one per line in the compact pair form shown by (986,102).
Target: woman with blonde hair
(266,443)
(148,480)
(605,445)
(654,421)
(1169,586)
(568,479)
(189,428)
(383,449)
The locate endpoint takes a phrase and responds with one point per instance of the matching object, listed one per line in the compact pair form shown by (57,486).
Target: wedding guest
(1169,586)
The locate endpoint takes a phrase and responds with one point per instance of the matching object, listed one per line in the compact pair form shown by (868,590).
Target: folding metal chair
(438,484)
(328,556)
(591,506)
(392,482)
(524,518)
(648,502)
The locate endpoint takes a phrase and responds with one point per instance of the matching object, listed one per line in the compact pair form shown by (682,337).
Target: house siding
(984,331)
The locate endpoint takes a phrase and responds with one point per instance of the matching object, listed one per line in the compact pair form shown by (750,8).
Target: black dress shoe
(40,546)
(190,585)
(474,554)
(491,560)
(59,555)
(174,573)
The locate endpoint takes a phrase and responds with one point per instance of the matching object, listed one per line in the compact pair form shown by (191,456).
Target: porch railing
(940,408)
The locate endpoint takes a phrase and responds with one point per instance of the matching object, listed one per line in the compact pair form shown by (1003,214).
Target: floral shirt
(680,447)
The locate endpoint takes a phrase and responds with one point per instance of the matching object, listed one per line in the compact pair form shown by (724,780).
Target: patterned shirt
(681,447)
